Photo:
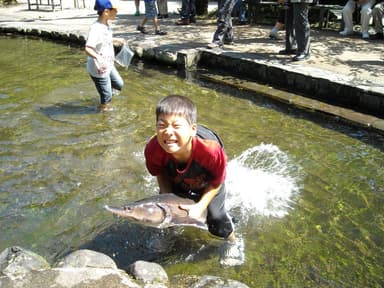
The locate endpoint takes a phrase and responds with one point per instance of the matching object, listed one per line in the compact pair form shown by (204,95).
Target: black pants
(297,28)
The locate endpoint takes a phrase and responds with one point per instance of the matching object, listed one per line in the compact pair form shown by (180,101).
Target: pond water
(306,191)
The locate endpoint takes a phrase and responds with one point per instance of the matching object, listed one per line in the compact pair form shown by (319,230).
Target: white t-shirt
(100,38)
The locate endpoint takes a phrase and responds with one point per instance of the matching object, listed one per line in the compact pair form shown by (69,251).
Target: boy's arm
(90,51)
(164,183)
(118,41)
(196,210)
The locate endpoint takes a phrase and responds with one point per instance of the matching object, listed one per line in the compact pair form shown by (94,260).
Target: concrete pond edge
(360,104)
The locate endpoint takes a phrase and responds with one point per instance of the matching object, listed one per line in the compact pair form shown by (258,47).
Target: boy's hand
(194,210)
(100,64)
(119,41)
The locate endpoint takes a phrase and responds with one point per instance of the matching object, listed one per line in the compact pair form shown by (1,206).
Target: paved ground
(358,59)
(349,60)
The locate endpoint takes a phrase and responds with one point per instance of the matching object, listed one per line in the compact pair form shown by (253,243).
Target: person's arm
(118,41)
(90,51)
(197,210)
(164,183)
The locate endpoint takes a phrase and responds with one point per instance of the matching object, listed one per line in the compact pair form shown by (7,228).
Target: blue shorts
(150,9)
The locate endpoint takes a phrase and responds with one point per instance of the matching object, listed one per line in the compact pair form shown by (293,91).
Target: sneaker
(274,36)
(182,22)
(346,32)
(301,57)
(214,45)
(142,29)
(160,32)
(365,35)
(137,13)
(232,253)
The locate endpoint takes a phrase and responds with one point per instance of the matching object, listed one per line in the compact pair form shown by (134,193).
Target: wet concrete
(344,76)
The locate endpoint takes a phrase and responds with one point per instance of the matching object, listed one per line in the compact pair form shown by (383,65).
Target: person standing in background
(224,32)
(378,14)
(150,13)
(297,30)
(162,6)
(101,54)
(137,5)
(366,14)
(188,12)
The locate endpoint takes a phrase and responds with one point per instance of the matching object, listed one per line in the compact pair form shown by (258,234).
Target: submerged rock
(148,272)
(206,281)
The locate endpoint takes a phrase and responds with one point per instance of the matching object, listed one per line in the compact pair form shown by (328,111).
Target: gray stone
(86,258)
(71,277)
(148,272)
(15,262)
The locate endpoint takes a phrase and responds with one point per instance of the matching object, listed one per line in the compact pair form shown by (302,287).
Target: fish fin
(187,221)
(168,216)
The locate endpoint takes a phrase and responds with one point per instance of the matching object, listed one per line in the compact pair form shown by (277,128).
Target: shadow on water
(363,134)
(126,243)
(68,108)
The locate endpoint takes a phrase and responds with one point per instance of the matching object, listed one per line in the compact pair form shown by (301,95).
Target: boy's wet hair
(177,105)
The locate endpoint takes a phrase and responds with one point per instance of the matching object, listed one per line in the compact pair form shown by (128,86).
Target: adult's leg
(302,27)
(348,10)
(378,14)
(365,16)
(290,39)
(224,31)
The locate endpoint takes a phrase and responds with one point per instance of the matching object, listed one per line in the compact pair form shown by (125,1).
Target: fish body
(160,211)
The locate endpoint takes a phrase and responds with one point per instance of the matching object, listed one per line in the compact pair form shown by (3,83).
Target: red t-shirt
(206,166)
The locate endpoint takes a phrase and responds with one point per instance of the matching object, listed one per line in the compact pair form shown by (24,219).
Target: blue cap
(100,5)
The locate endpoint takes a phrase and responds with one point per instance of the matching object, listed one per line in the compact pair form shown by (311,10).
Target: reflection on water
(306,191)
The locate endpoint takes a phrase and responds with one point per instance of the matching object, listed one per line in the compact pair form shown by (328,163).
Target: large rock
(15,262)
(71,278)
(86,258)
(81,269)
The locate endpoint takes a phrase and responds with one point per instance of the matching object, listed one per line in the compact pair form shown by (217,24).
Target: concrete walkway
(344,61)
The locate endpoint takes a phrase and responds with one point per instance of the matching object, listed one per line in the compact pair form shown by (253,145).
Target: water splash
(262,180)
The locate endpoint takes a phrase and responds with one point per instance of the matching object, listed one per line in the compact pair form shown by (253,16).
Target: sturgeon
(160,211)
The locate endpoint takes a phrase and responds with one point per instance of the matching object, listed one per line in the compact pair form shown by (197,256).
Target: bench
(266,12)
(326,12)
(51,4)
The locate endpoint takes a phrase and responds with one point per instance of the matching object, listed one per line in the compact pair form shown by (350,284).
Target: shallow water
(306,191)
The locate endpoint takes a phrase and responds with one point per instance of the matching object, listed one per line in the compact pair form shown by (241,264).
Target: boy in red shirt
(192,167)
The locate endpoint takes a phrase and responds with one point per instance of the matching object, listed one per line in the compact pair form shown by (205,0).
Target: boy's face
(174,135)
(111,13)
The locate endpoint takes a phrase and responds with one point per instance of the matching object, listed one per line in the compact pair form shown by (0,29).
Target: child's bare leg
(137,5)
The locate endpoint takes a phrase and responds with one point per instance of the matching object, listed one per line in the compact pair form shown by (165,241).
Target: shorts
(218,220)
(150,9)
